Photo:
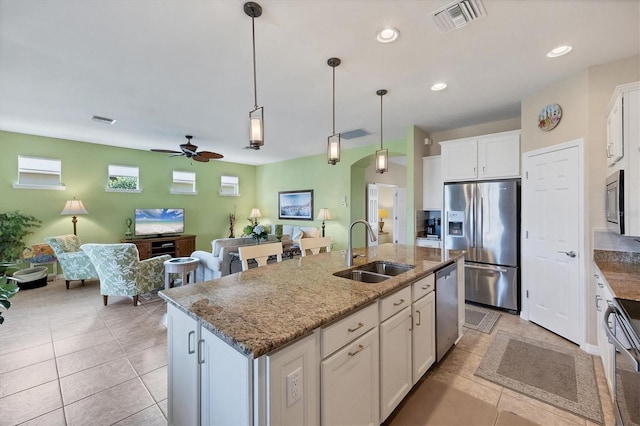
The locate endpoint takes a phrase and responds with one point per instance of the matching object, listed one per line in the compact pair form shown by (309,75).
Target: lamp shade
(324,214)
(255,213)
(74,207)
(382,213)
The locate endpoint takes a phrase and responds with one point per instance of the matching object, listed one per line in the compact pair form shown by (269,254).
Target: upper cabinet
(483,157)
(431,183)
(623,149)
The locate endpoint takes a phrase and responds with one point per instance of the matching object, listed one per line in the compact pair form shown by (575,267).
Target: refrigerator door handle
(485,268)
(472,221)
(481,222)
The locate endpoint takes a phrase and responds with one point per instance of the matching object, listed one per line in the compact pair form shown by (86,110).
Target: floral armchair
(75,264)
(121,271)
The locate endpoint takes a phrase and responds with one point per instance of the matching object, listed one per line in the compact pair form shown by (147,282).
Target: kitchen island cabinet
(288,311)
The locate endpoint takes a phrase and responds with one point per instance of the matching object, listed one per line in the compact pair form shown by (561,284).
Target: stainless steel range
(624,333)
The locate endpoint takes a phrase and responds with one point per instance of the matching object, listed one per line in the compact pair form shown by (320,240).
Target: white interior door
(552,225)
(372,211)
(400,216)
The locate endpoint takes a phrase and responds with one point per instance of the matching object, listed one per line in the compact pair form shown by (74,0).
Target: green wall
(331,185)
(84,173)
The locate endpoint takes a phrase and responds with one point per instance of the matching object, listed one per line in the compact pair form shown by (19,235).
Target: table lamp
(323,215)
(254,215)
(382,214)
(74,207)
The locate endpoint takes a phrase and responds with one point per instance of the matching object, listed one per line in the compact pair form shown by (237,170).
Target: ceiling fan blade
(166,151)
(209,154)
(177,154)
(200,158)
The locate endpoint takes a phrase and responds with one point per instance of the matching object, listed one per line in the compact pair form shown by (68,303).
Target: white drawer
(395,303)
(344,331)
(423,287)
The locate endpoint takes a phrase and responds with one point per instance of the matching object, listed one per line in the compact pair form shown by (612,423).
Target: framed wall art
(296,205)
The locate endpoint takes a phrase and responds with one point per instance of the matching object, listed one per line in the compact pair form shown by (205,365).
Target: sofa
(218,262)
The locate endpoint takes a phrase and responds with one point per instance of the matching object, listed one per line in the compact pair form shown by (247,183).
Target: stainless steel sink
(374,272)
(362,276)
(385,268)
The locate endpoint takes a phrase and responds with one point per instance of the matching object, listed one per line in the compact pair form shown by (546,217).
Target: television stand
(173,245)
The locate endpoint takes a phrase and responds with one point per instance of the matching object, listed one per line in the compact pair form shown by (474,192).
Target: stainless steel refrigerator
(483,218)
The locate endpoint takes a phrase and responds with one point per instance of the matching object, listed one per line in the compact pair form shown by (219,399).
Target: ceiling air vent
(458,14)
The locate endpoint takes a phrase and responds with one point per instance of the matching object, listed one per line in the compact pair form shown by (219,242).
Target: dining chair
(314,245)
(260,253)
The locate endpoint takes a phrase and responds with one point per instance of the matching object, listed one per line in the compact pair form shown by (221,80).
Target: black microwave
(614,202)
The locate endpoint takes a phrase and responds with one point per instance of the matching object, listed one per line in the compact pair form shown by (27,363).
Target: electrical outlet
(294,386)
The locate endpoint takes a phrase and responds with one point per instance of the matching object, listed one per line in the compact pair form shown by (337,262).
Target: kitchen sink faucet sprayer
(372,236)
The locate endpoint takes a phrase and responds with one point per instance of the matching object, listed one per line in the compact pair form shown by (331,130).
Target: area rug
(480,320)
(560,377)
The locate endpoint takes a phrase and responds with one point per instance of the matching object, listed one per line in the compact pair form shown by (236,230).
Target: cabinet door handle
(419,317)
(399,303)
(600,285)
(360,325)
(200,351)
(598,299)
(360,347)
(191,334)
(483,172)
(474,171)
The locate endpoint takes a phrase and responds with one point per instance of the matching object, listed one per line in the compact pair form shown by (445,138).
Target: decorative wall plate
(549,117)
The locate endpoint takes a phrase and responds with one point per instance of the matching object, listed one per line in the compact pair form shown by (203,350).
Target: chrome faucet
(372,236)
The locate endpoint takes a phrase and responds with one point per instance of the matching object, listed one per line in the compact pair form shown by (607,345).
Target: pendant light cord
(334,100)
(255,86)
(381,120)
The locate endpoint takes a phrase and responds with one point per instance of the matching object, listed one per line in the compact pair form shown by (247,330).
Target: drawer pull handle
(426,287)
(360,347)
(360,325)
(399,303)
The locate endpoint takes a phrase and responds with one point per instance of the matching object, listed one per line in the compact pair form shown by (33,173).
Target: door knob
(569,253)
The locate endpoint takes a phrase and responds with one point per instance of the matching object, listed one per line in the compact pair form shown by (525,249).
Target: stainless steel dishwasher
(446,309)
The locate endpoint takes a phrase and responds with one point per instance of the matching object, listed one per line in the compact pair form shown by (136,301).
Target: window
(184,183)
(229,186)
(123,178)
(39,173)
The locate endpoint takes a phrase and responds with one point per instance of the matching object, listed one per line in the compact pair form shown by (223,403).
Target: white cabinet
(423,313)
(395,350)
(183,379)
(603,298)
(432,191)
(484,157)
(615,145)
(350,383)
(623,149)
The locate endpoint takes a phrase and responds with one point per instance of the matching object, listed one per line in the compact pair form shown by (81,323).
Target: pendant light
(382,155)
(256,116)
(333,141)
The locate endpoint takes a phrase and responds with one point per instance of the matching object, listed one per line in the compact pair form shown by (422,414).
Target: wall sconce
(74,207)
(323,215)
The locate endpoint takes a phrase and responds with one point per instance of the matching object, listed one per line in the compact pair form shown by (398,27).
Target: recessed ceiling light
(438,87)
(103,120)
(559,51)
(388,35)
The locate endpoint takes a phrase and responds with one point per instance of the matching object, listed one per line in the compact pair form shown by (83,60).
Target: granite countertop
(622,272)
(264,308)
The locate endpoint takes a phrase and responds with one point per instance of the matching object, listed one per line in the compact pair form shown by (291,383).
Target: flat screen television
(153,222)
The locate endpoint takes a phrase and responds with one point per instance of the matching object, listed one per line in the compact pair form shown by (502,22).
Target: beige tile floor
(65,359)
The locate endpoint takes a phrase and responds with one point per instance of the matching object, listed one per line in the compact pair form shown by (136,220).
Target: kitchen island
(247,348)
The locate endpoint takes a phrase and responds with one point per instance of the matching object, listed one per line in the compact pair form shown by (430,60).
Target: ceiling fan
(190,151)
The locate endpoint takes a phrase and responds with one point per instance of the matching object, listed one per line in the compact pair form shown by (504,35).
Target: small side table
(185,266)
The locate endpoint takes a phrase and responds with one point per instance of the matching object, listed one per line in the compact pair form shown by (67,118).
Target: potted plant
(7,291)
(14,226)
